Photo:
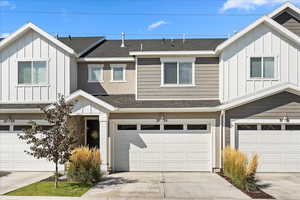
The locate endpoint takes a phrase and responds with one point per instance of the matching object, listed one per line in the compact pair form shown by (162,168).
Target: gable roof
(285,7)
(81,44)
(29,26)
(112,48)
(261,94)
(263,20)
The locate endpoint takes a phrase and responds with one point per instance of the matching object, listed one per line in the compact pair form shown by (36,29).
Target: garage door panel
(278,151)
(162,151)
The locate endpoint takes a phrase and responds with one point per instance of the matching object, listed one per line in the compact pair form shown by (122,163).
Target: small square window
(95,73)
(247,127)
(173,127)
(118,73)
(4,128)
(293,127)
(127,127)
(21,127)
(149,127)
(196,127)
(270,127)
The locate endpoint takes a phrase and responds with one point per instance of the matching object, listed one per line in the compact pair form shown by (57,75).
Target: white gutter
(143,110)
(107,59)
(171,53)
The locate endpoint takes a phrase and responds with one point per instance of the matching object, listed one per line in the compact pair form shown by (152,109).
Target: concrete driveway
(152,185)
(10,181)
(283,186)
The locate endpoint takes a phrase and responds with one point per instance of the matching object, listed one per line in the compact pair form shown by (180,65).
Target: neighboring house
(160,105)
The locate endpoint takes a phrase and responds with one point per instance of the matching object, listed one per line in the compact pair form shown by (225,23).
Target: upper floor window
(32,72)
(178,73)
(95,73)
(262,67)
(118,73)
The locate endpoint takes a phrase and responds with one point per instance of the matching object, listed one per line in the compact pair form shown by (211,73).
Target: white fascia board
(81,93)
(283,7)
(171,53)
(91,46)
(148,110)
(107,59)
(261,20)
(28,26)
(25,110)
(260,95)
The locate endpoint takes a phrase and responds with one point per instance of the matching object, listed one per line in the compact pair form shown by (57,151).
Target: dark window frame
(189,127)
(3,130)
(243,127)
(264,126)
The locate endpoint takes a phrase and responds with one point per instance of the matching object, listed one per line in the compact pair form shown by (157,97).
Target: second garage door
(169,146)
(278,145)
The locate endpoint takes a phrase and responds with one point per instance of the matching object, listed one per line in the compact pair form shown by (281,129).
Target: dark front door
(92,133)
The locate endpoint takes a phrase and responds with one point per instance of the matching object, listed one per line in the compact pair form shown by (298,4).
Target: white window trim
(276,72)
(177,60)
(91,66)
(47,60)
(113,66)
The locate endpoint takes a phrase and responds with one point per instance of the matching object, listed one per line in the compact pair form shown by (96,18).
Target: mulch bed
(254,195)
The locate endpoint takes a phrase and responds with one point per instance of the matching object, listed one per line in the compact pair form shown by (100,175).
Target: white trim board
(171,53)
(107,59)
(12,37)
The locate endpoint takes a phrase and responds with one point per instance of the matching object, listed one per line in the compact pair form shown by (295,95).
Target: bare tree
(56,142)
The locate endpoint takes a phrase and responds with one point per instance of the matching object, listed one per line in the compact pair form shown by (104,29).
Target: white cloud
(4,35)
(251,4)
(4,3)
(156,24)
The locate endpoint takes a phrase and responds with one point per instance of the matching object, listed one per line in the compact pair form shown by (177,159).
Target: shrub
(84,165)
(239,169)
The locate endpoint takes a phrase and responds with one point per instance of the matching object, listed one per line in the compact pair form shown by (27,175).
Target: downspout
(222,137)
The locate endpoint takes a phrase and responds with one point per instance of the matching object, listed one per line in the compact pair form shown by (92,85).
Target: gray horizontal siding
(273,107)
(206,81)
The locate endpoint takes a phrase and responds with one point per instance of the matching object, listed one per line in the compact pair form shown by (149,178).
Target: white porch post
(103,126)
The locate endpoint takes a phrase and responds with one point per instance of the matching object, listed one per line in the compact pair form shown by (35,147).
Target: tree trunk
(56,175)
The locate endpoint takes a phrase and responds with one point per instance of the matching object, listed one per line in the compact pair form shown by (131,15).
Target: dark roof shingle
(112,48)
(79,44)
(129,101)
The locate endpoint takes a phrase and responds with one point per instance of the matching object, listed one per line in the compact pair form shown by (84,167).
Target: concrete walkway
(14,180)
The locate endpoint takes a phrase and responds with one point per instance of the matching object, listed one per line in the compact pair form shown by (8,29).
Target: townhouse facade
(160,104)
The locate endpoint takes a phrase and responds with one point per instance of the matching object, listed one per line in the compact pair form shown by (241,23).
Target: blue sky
(81,17)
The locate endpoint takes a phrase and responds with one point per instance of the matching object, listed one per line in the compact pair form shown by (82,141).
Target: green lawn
(46,188)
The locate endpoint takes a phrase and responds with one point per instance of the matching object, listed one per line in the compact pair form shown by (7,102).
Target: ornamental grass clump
(84,165)
(239,169)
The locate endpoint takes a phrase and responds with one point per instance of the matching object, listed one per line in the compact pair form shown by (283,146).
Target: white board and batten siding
(262,41)
(33,46)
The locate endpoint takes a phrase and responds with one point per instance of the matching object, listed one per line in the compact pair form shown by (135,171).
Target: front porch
(91,124)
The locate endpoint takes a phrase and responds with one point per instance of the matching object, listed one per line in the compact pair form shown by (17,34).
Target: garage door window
(248,127)
(271,127)
(202,127)
(173,127)
(4,128)
(149,127)
(21,127)
(127,127)
(293,127)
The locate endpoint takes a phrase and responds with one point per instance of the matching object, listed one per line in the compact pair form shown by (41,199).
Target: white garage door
(12,155)
(163,147)
(277,145)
